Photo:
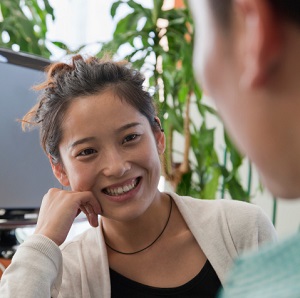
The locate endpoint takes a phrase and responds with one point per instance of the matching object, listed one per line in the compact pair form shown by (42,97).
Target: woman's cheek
(82,181)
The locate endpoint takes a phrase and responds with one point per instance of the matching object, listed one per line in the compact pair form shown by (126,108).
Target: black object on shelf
(10,220)
(25,173)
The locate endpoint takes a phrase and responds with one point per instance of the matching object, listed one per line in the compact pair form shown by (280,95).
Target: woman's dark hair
(288,9)
(84,77)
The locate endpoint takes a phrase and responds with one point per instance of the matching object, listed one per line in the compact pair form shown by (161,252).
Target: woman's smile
(120,189)
(126,192)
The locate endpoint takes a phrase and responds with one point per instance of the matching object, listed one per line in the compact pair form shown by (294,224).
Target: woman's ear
(59,172)
(160,137)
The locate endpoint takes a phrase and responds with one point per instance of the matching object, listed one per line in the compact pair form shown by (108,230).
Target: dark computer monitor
(25,172)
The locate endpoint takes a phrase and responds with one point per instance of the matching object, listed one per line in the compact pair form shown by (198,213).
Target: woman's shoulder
(80,245)
(79,252)
(238,218)
(227,206)
(87,236)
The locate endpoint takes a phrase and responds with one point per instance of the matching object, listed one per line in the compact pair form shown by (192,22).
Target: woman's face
(109,148)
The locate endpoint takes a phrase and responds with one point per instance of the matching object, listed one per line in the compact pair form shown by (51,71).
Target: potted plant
(160,43)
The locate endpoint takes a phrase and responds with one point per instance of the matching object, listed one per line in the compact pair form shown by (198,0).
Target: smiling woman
(104,140)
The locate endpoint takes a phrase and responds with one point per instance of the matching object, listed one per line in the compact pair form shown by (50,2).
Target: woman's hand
(59,209)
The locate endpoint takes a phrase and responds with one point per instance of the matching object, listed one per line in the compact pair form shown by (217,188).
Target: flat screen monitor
(25,172)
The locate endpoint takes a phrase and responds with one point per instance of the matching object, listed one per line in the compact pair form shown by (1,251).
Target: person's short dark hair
(82,78)
(288,9)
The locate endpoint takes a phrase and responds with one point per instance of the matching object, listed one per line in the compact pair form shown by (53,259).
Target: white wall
(84,22)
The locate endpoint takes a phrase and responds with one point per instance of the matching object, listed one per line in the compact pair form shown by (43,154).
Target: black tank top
(205,284)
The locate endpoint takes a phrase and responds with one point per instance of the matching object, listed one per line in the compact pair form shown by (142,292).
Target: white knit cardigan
(224,229)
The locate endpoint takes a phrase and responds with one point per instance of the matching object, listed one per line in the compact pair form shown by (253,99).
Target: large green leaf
(21,27)
(234,186)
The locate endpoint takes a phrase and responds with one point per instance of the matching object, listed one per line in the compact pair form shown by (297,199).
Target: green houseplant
(24,25)
(161,44)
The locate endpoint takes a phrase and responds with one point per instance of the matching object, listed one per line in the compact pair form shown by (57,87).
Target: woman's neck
(136,234)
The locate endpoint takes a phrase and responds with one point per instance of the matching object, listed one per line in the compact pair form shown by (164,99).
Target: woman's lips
(124,188)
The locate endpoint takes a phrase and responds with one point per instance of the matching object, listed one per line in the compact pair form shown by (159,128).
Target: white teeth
(121,189)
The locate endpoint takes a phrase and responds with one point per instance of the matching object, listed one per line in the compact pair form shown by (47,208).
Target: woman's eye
(87,152)
(130,138)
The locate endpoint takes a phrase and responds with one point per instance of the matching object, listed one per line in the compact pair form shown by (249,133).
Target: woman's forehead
(101,110)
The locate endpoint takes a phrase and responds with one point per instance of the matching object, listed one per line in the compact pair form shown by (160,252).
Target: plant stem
(223,182)
(249,178)
(274,216)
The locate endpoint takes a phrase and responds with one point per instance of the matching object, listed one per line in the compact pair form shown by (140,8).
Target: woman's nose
(114,164)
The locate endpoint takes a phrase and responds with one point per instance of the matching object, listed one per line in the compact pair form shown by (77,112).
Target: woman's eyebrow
(81,141)
(128,125)
(88,139)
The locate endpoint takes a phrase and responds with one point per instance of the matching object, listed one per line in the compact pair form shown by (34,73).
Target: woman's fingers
(91,215)
(90,203)
(92,209)
(59,209)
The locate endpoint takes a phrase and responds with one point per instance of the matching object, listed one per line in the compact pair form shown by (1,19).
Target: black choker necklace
(135,252)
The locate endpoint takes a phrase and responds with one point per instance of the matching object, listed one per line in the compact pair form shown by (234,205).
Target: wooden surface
(179,4)
(5,263)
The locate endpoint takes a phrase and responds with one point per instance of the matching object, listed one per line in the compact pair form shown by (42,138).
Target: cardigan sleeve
(35,270)
(249,226)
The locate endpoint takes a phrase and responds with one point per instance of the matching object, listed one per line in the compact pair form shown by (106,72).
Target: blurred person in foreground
(246,57)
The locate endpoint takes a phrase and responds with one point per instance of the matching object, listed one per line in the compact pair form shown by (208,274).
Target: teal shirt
(272,273)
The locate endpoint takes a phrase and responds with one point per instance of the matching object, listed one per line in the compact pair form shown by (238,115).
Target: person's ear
(261,39)
(59,172)
(160,137)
